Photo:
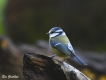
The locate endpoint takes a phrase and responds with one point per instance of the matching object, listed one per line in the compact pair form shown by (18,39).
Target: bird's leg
(64,59)
(52,56)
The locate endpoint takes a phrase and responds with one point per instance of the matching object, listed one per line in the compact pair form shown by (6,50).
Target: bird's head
(56,31)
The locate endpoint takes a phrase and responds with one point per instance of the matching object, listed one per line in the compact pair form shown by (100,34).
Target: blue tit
(61,44)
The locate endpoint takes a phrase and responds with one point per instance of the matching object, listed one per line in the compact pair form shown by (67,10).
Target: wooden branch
(71,72)
(40,67)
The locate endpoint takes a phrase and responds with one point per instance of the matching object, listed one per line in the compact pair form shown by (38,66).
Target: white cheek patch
(53,35)
(63,34)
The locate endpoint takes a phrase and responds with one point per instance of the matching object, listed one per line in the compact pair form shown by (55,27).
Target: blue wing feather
(59,46)
(66,49)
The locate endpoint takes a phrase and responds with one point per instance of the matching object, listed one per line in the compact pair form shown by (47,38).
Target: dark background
(83,21)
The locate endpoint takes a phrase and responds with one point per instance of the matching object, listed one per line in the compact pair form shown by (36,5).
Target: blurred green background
(26,21)
(2,7)
(83,21)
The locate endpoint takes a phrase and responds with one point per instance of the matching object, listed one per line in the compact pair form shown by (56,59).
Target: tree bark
(40,67)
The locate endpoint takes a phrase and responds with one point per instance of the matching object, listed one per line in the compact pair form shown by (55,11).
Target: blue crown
(56,28)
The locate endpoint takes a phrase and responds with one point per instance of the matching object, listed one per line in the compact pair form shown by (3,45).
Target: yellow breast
(60,39)
(60,54)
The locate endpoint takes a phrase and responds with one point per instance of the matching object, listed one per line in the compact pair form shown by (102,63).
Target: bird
(61,44)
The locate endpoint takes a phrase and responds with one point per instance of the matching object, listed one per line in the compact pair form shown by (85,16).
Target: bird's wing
(66,49)
(61,47)
(70,48)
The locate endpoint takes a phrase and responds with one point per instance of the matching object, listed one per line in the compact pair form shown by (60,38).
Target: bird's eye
(52,32)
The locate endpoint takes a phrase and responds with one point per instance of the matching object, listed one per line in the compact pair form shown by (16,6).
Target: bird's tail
(79,60)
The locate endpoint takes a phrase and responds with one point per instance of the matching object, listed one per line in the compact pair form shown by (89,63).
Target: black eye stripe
(52,32)
(56,32)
